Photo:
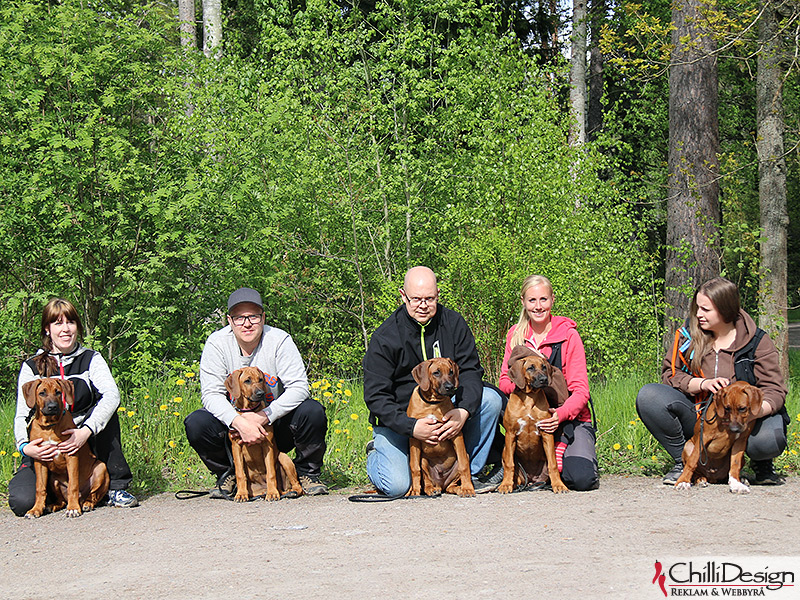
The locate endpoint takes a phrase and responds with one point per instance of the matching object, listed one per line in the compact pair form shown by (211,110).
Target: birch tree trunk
(693,213)
(187,28)
(594,117)
(212,26)
(577,76)
(772,184)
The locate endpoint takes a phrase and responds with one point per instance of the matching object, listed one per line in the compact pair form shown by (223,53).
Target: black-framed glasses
(239,320)
(417,301)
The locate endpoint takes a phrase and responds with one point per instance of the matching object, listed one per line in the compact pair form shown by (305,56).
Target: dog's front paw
(272,496)
(737,487)
(72,512)
(241,497)
(87,506)
(505,488)
(466,491)
(683,485)
(34,513)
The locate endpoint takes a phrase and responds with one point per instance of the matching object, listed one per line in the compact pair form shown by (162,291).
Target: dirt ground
(599,544)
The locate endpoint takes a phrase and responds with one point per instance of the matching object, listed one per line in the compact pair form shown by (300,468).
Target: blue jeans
(387,465)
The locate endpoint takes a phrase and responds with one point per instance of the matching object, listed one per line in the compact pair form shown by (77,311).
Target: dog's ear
(232,384)
(29,392)
(421,376)
(516,373)
(557,392)
(756,397)
(68,389)
(455,371)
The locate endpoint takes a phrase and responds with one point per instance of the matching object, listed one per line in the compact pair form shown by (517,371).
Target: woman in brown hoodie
(719,344)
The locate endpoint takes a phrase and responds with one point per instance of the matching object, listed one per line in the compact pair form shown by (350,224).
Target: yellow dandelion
(337,431)
(354,416)
(176,413)
(121,409)
(336,421)
(338,385)
(339,391)
(171,444)
(630,447)
(633,422)
(2,452)
(348,393)
(346,431)
(793,452)
(180,382)
(162,407)
(131,413)
(135,427)
(189,374)
(369,427)
(177,399)
(147,396)
(15,454)
(338,449)
(327,394)
(617,446)
(654,458)
(345,402)
(316,385)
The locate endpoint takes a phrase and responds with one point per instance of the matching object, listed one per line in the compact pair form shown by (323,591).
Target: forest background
(314,150)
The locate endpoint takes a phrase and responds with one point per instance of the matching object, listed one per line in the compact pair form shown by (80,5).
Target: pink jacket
(573,359)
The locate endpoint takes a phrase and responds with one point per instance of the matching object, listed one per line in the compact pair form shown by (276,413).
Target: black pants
(106,446)
(303,429)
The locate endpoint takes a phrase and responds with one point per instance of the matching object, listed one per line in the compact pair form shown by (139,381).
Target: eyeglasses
(416,301)
(252,319)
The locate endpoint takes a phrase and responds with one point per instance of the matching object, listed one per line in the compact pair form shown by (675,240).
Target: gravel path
(600,544)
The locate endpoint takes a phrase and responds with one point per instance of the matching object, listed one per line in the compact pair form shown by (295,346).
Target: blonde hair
(522,324)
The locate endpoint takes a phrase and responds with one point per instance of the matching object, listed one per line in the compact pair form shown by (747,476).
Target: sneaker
(671,478)
(122,499)
(370,447)
(312,486)
(764,474)
(226,487)
(489,482)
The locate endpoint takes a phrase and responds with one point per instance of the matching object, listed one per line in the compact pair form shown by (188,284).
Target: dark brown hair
(724,295)
(52,312)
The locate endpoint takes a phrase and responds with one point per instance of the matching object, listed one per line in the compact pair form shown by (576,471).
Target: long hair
(52,312)
(522,324)
(724,295)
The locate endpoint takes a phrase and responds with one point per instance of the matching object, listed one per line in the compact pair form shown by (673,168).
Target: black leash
(189,494)
(384,497)
(704,411)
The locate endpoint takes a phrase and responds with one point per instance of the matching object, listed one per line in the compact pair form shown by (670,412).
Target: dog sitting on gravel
(78,481)
(261,469)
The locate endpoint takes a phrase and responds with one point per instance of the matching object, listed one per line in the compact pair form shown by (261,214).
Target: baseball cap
(244,295)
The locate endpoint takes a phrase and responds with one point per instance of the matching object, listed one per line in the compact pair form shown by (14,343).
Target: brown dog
(716,449)
(526,445)
(444,466)
(78,481)
(260,468)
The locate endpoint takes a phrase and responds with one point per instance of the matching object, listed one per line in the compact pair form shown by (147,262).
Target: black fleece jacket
(396,348)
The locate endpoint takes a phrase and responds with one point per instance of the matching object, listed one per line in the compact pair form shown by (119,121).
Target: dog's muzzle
(51,408)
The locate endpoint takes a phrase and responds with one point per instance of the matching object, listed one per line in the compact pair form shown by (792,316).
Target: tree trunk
(187,28)
(594,121)
(693,213)
(212,26)
(772,185)
(577,76)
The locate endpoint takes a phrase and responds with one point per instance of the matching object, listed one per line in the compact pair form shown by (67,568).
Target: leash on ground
(377,497)
(189,494)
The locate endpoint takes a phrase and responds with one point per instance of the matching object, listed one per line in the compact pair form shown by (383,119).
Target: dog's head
(49,397)
(437,376)
(737,405)
(248,389)
(529,370)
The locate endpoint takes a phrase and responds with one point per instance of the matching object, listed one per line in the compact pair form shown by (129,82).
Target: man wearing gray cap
(298,421)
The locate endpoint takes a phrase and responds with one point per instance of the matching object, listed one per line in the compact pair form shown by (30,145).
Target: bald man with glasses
(418,330)
(298,421)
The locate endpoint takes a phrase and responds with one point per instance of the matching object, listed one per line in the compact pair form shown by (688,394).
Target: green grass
(153,438)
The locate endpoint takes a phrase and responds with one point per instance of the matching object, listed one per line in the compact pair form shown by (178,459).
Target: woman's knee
(768,439)
(22,491)
(580,474)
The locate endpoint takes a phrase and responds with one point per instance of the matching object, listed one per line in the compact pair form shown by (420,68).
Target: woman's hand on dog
(77,438)
(452,423)
(42,450)
(550,424)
